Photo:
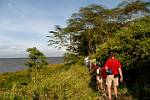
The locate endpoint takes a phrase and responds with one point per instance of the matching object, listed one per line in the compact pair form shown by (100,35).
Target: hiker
(103,77)
(86,61)
(113,71)
(100,77)
(92,63)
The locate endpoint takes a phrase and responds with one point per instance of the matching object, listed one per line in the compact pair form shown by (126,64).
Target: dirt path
(122,97)
(103,96)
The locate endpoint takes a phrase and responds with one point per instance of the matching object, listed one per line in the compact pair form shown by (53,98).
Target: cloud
(12,51)
(20,50)
(9,47)
(18,34)
(15,47)
(25,23)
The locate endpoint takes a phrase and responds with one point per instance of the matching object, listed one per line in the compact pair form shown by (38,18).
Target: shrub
(36,58)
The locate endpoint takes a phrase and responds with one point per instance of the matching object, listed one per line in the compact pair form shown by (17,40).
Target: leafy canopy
(94,24)
(36,58)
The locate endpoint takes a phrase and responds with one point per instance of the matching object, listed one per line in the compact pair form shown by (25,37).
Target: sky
(26,23)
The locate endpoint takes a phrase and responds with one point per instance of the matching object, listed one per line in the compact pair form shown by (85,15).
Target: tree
(94,25)
(124,30)
(36,58)
(81,35)
(131,43)
(130,10)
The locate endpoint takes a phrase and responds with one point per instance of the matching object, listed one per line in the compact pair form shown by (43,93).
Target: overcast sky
(25,23)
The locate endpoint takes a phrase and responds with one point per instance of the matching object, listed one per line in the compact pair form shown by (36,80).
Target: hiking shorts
(111,80)
(99,79)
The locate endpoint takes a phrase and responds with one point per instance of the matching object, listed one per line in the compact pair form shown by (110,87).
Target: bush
(53,82)
(132,45)
(36,58)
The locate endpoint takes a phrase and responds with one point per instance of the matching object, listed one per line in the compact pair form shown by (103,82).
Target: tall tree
(94,24)
(82,30)
(130,10)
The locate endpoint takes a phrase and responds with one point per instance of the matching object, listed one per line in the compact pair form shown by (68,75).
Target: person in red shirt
(113,70)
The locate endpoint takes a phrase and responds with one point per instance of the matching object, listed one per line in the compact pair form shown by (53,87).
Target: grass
(53,82)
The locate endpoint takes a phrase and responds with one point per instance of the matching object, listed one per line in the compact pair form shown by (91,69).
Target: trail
(121,96)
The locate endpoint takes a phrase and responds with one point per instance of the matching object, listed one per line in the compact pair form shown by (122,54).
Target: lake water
(15,64)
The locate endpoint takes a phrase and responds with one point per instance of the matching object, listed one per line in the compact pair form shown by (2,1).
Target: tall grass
(53,82)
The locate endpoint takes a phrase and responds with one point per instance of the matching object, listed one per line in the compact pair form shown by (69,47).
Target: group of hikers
(108,75)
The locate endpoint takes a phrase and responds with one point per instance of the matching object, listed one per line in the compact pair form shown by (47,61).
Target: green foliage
(20,78)
(130,43)
(97,31)
(71,58)
(70,84)
(53,82)
(94,24)
(36,58)
(132,46)
(81,61)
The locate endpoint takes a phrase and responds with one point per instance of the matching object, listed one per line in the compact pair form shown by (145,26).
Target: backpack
(109,71)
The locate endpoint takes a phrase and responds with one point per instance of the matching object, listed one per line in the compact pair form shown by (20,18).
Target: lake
(15,64)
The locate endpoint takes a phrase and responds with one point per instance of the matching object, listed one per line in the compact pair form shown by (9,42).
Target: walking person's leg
(104,84)
(116,83)
(115,91)
(101,84)
(109,92)
(109,80)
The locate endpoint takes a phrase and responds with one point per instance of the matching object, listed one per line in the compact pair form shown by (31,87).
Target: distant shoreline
(15,64)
